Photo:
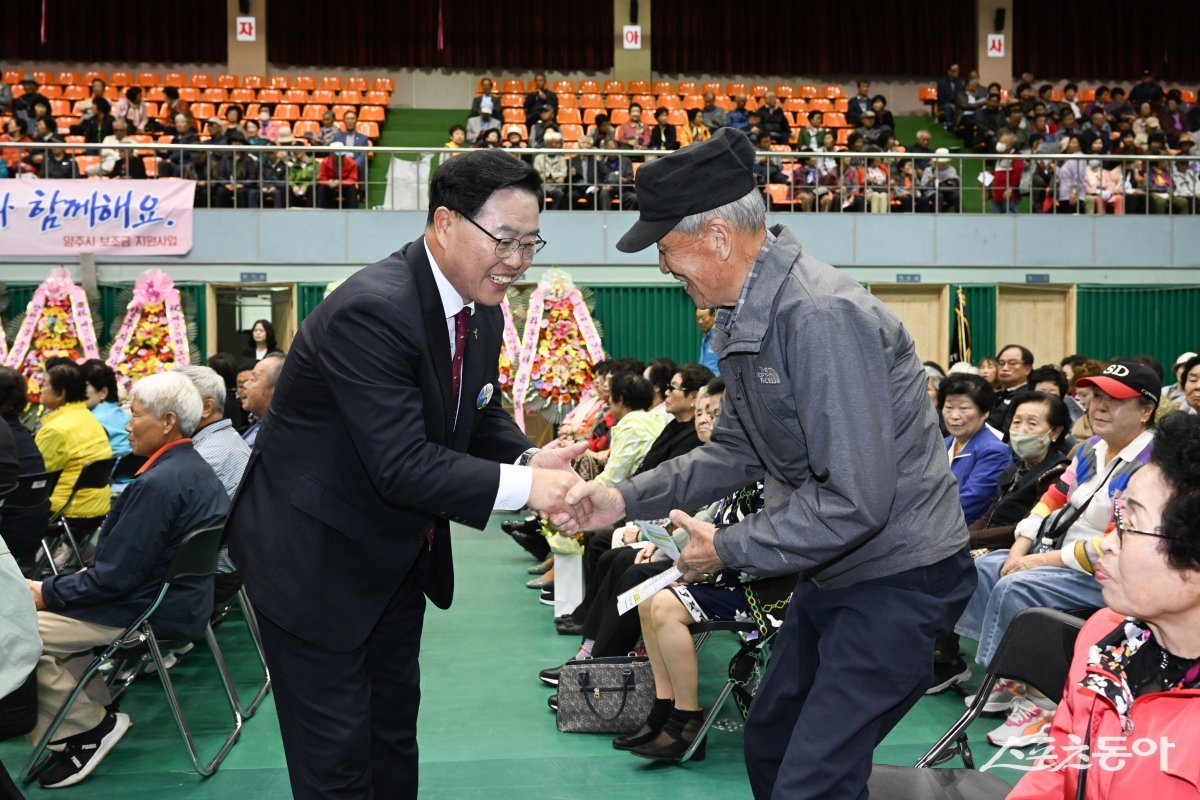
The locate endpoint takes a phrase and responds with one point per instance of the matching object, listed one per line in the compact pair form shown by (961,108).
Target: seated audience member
(1058,572)
(352,137)
(258,391)
(939,186)
(483,121)
(970,101)
(58,164)
(236,175)
(23,527)
(1072,190)
(607,178)
(337,181)
(458,137)
(695,130)
(98,126)
(226,365)
(919,146)
(1105,187)
(859,104)
(739,117)
(328,132)
(871,133)
(774,121)
(174,494)
(987,370)
(69,438)
(679,435)
(513,141)
(115,162)
(663,134)
(812,137)
(1038,438)
(274,169)
(552,168)
(1048,379)
(876,182)
(302,178)
(104,401)
(172,163)
(713,115)
(544,124)
(215,131)
(254,136)
(233,120)
(24,106)
(541,97)
(84,108)
(225,451)
(131,109)
(1177,391)
(977,455)
(173,105)
(485,93)
(1014,364)
(634,428)
(884,118)
(599,133)
(659,372)
(1136,669)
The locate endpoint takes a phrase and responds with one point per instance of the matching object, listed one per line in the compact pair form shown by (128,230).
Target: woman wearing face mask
(1103,187)
(1135,678)
(1057,573)
(1038,438)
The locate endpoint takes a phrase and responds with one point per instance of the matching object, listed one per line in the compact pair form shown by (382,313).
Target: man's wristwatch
(527,456)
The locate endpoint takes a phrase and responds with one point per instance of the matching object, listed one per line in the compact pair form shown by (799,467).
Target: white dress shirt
(515,482)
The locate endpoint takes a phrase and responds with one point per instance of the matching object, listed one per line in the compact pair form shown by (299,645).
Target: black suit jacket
(360,455)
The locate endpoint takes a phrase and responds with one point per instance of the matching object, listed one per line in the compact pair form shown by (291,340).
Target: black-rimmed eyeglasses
(506,246)
(1121,520)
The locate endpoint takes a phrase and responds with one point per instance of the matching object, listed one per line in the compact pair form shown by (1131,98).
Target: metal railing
(602,180)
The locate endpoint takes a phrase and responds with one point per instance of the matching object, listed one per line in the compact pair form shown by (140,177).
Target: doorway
(1041,318)
(925,311)
(233,308)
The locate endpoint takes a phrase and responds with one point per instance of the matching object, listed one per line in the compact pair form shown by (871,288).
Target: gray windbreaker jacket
(825,402)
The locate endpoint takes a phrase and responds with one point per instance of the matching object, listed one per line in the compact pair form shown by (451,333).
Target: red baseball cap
(1125,380)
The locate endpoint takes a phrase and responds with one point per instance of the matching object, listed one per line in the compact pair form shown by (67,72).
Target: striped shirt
(226,452)
(727,316)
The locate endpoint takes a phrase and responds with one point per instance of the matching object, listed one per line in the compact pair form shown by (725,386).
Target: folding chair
(196,556)
(242,600)
(758,648)
(1037,650)
(94,475)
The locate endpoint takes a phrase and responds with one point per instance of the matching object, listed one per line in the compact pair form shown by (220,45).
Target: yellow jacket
(70,437)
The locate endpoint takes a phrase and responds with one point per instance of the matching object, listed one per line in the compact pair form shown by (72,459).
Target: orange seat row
(204,80)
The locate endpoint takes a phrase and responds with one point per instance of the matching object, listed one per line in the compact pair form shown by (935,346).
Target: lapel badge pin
(485,396)
(475,333)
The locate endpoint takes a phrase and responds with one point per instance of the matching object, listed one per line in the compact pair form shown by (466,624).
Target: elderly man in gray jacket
(859,496)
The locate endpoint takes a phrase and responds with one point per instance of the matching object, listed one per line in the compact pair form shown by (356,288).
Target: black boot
(660,712)
(675,738)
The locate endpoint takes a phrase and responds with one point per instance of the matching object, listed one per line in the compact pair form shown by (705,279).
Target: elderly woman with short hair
(1132,695)
(174,493)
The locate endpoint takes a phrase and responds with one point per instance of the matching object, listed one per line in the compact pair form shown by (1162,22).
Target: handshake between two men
(572,505)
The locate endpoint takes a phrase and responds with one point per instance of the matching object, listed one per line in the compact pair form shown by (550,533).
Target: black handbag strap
(590,693)
(1064,522)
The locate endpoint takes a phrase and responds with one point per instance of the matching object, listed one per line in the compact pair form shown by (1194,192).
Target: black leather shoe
(527,525)
(675,738)
(547,597)
(568,628)
(552,701)
(550,676)
(533,543)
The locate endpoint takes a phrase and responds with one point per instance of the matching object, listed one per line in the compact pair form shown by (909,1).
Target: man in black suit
(385,425)
(540,97)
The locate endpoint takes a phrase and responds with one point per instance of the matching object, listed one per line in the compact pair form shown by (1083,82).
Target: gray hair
(934,375)
(207,382)
(552,136)
(748,214)
(170,392)
(274,362)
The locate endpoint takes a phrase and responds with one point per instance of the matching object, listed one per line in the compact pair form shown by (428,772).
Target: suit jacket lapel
(435,326)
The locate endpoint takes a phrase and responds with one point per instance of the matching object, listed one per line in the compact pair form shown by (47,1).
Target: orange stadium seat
(75,140)
(568,101)
(841,105)
(357,84)
(645,101)
(564,87)
(203,111)
(92,75)
(51,92)
(201,80)
(619,116)
(153,79)
(779,194)
(843,136)
(242,96)
(668,101)
(927,94)
(785,91)
(794,105)
(251,110)
(832,92)
(351,97)
(270,96)
(686,88)
(13,75)
(1188,95)
(60,108)
(373,98)
(569,116)
(304,128)
(74,93)
(512,86)
(677,117)
(801,122)
(156,94)
(724,102)
(664,87)
(616,101)
(835,120)
(614,87)
(279,82)
(227,81)
(512,101)
(715,88)
(322,96)
(693,101)
(383,85)
(286,111)
(807,91)
(43,78)
(820,104)
(589,115)
(340,111)
(295,96)
(214,95)
(589,87)
(377,114)
(66,78)
(511,115)
(735,88)
(572,133)
(253,81)
(121,79)
(152,109)
(314,111)
(758,90)
(591,100)
(151,165)
(83,162)
(189,93)
(639,87)
(305,82)
(170,79)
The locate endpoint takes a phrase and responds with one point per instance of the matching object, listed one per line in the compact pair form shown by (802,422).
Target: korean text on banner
(130,217)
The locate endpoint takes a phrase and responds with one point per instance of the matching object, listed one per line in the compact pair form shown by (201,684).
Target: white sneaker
(1003,695)
(169,660)
(1027,723)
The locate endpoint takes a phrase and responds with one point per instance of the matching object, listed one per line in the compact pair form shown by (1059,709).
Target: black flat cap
(697,178)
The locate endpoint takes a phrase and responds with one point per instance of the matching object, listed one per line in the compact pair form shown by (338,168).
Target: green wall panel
(647,322)
(308,296)
(981,315)
(1162,321)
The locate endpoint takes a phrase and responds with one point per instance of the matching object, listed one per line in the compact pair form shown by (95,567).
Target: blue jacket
(178,494)
(978,469)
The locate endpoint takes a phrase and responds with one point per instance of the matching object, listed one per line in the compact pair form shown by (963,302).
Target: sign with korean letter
(247,29)
(632,37)
(995,45)
(131,217)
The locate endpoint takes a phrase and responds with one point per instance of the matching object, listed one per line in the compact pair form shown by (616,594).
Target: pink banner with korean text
(127,217)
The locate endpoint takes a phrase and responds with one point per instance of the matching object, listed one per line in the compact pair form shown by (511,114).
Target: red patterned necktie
(461,320)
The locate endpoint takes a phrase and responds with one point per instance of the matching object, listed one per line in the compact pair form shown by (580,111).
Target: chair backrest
(1037,649)
(127,466)
(33,489)
(95,474)
(196,555)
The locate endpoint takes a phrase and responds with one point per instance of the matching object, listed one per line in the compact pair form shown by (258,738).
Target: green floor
(485,730)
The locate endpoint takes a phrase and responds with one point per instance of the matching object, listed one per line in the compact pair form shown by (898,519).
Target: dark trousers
(349,720)
(8,789)
(846,666)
